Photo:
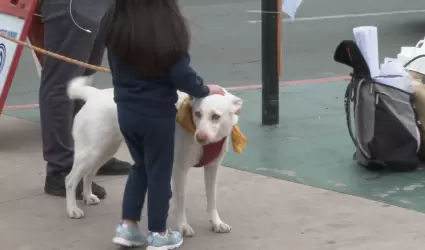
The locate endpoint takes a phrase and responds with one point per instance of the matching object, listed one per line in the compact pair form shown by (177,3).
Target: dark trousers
(151,145)
(56,109)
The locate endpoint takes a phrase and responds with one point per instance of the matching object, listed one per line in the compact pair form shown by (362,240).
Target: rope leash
(54,55)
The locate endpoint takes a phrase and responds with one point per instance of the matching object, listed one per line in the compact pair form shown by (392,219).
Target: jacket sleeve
(186,80)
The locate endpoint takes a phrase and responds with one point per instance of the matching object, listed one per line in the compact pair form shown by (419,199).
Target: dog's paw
(220,227)
(91,199)
(186,230)
(75,213)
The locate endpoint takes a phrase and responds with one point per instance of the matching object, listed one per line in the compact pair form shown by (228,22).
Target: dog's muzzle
(201,137)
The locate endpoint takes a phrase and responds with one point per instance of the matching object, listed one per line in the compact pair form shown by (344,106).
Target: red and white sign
(15,21)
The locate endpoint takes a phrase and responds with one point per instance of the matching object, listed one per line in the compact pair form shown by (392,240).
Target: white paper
(290,7)
(393,68)
(366,38)
(387,60)
(402,83)
(392,73)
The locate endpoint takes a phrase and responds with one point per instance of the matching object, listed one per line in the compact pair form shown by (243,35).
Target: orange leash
(57,56)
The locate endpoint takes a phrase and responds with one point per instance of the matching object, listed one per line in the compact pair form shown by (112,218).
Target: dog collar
(210,153)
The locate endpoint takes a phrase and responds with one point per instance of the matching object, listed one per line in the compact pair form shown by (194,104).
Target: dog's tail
(78,88)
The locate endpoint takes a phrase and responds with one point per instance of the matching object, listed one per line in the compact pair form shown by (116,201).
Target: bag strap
(348,99)
(413,59)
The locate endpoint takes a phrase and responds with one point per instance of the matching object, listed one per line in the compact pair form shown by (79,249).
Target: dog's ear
(236,103)
(236,107)
(192,100)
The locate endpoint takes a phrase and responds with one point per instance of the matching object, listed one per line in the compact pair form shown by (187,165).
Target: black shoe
(114,167)
(55,185)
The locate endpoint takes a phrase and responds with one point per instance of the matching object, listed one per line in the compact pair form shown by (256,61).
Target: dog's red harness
(211,152)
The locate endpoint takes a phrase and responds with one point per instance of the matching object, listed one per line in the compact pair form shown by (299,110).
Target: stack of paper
(391,72)
(366,38)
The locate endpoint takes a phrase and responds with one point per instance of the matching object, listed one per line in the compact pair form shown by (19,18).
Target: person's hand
(216,90)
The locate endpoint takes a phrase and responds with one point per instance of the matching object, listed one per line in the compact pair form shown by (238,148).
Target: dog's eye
(198,114)
(215,117)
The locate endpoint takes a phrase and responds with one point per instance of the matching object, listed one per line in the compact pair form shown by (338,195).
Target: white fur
(97,138)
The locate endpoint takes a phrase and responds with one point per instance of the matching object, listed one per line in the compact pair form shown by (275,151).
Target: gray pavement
(227,47)
(265,213)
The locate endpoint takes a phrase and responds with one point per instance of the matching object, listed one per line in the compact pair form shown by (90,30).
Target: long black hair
(147,35)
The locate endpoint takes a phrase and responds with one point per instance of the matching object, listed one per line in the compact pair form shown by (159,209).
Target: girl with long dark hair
(147,43)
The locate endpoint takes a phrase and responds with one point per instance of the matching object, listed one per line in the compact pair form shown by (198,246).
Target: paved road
(227,43)
(265,213)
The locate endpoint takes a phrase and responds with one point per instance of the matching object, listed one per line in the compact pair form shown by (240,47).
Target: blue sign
(9,33)
(2,56)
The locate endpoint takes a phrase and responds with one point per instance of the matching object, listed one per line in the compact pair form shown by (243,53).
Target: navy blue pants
(150,141)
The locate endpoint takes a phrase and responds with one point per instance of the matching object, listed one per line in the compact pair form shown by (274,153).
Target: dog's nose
(201,136)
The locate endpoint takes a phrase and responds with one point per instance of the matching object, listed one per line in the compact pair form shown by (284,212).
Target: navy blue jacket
(154,97)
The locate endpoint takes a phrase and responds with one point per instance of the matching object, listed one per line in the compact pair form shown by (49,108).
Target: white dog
(97,138)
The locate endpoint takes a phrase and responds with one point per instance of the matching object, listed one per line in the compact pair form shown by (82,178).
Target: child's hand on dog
(216,90)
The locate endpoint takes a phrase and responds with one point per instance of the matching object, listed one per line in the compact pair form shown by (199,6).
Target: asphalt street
(226,40)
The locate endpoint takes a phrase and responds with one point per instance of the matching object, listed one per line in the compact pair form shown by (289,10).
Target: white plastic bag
(407,53)
(290,7)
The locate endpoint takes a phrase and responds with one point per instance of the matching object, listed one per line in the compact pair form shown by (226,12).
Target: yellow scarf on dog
(184,118)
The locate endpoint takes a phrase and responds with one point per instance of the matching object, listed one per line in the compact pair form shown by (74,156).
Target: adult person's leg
(56,109)
(114,166)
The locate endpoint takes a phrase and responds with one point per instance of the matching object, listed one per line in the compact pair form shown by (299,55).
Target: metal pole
(270,61)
